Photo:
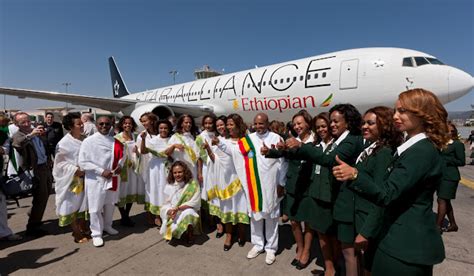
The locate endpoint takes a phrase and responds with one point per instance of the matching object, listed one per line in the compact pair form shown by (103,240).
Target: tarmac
(142,251)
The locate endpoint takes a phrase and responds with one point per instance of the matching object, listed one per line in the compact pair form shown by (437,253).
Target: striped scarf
(251,170)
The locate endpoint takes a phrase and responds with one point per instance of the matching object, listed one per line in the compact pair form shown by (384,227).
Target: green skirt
(345,232)
(447,189)
(387,265)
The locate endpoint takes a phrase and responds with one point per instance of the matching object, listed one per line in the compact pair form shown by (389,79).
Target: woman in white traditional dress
(69,179)
(183,143)
(229,191)
(132,187)
(156,164)
(150,122)
(182,203)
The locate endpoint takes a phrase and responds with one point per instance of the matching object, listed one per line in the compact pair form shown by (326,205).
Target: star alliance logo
(116,88)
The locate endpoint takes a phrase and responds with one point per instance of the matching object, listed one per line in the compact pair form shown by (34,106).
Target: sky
(45,43)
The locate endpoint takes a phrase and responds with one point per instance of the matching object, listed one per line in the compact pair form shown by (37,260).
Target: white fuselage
(363,77)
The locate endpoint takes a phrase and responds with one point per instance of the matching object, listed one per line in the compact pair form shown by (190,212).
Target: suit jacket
(348,150)
(368,215)
(26,149)
(454,156)
(409,232)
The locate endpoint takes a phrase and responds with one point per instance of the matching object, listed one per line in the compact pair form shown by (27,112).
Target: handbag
(17,185)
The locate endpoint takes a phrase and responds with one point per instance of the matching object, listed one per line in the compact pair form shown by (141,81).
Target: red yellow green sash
(251,170)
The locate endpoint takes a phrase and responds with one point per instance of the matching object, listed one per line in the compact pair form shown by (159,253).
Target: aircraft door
(348,77)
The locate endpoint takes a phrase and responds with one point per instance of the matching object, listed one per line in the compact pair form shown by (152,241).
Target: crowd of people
(362,185)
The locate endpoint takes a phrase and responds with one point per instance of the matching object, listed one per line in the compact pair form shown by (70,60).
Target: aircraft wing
(110,104)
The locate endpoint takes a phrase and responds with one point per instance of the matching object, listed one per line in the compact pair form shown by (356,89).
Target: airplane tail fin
(118,86)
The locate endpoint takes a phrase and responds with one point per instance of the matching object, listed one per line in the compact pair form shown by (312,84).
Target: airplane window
(287,79)
(275,82)
(294,79)
(309,77)
(264,83)
(301,78)
(407,62)
(258,83)
(220,89)
(316,75)
(281,80)
(324,74)
(248,85)
(434,61)
(421,61)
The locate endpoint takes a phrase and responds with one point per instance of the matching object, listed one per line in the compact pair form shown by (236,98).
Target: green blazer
(297,176)
(348,150)
(454,156)
(409,232)
(368,216)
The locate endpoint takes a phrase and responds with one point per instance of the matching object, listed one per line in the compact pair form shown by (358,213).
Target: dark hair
(224,119)
(351,116)
(388,133)
(188,175)
(321,116)
(168,123)
(455,133)
(154,120)
(306,116)
(122,121)
(68,120)
(179,127)
(213,117)
(239,124)
(49,113)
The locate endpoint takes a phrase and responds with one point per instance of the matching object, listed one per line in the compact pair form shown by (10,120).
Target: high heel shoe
(301,266)
(452,228)
(219,235)
(227,247)
(294,262)
(241,242)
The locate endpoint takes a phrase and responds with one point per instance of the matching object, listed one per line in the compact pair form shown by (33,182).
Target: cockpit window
(434,61)
(407,62)
(421,61)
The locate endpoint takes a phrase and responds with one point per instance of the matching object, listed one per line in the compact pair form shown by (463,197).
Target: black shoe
(301,266)
(219,235)
(127,222)
(227,247)
(36,232)
(317,272)
(241,243)
(294,262)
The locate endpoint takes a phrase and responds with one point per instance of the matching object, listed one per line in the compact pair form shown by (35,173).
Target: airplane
(364,77)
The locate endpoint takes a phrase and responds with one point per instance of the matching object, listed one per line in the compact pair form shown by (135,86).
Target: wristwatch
(355,174)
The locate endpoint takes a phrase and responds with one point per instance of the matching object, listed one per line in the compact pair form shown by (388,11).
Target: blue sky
(44,43)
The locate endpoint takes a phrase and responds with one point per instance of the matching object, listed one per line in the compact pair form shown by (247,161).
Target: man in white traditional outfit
(263,180)
(96,158)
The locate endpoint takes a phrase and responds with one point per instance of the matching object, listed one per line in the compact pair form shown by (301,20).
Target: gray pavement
(141,250)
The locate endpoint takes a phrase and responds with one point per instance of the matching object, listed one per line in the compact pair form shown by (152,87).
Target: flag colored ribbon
(251,170)
(118,154)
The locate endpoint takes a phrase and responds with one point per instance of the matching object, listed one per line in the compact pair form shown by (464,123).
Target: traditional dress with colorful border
(180,194)
(70,196)
(226,195)
(154,168)
(189,154)
(131,187)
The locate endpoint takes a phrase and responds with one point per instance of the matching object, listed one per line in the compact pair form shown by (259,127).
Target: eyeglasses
(104,124)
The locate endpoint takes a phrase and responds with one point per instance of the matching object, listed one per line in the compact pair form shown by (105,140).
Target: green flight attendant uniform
(294,204)
(322,198)
(454,156)
(410,243)
(347,147)
(368,216)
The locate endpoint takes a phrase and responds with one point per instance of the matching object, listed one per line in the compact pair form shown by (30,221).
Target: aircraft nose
(460,83)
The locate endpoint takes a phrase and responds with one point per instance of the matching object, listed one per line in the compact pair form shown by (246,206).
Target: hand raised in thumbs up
(264,149)
(343,171)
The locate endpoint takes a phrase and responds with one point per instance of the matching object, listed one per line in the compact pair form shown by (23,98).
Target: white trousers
(271,234)
(101,220)
(4,229)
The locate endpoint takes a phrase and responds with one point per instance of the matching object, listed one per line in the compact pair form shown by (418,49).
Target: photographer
(34,155)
